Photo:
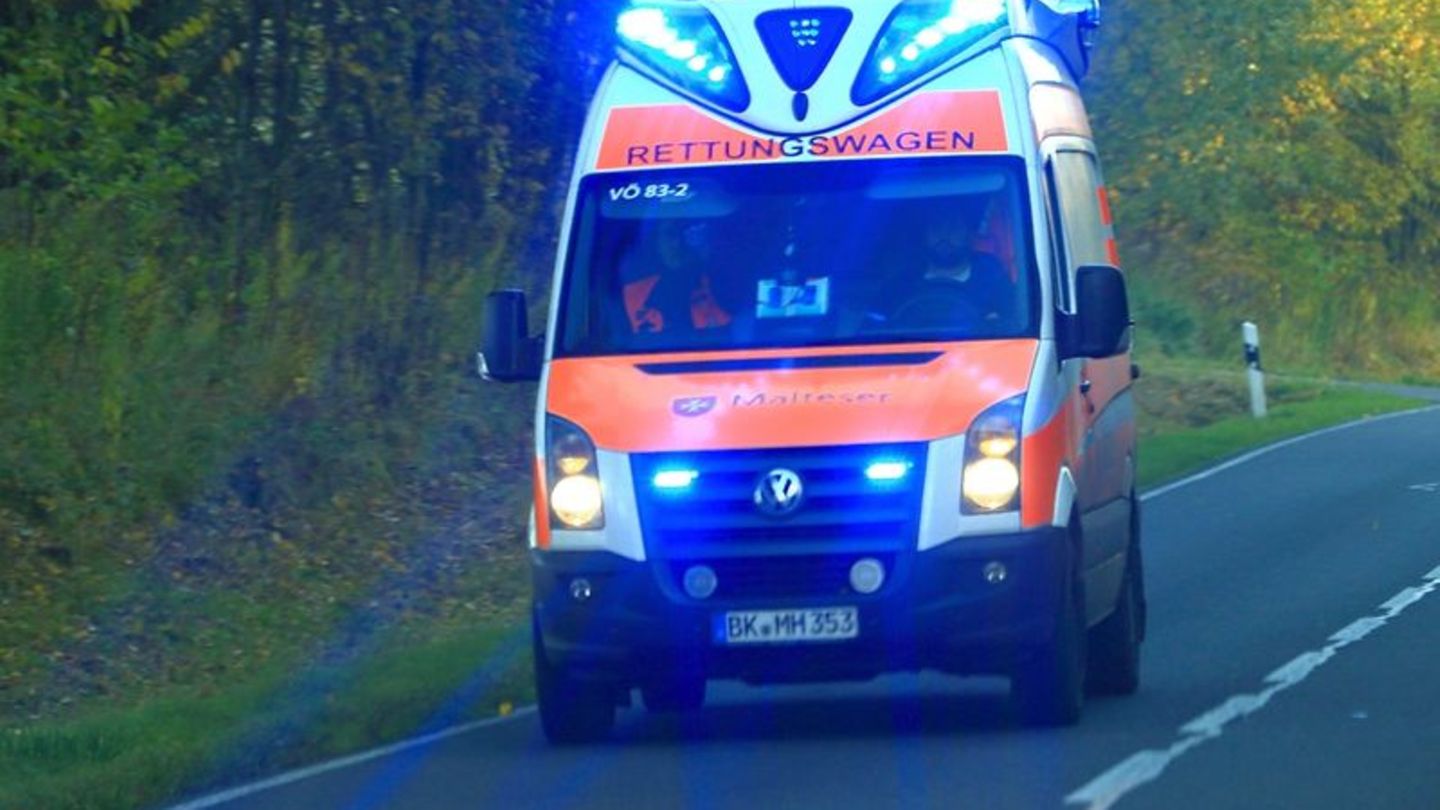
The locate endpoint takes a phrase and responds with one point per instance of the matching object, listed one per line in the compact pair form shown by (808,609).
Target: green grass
(419,676)
(427,673)
(149,753)
(1194,415)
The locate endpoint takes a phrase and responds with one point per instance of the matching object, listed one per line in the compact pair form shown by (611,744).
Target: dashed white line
(1301,666)
(1146,766)
(1358,629)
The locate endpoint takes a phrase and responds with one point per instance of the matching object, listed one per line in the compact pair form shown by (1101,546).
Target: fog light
(996,573)
(867,575)
(701,582)
(580,590)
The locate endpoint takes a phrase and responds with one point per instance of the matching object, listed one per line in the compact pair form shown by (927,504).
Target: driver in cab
(952,262)
(958,284)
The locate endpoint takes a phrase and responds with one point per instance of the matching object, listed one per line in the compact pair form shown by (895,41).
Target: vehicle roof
(829,101)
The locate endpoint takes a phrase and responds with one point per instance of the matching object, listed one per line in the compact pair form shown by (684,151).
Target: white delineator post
(1251,334)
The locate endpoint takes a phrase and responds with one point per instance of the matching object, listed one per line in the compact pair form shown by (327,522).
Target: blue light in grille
(883,471)
(675,480)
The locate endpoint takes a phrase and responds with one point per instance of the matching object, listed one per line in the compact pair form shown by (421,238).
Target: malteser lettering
(769,400)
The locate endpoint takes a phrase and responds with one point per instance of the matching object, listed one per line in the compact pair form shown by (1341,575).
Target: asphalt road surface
(1293,661)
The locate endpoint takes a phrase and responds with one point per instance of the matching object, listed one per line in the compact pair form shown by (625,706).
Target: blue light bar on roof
(687,48)
(921,35)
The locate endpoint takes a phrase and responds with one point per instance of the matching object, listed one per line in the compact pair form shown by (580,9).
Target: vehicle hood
(786,398)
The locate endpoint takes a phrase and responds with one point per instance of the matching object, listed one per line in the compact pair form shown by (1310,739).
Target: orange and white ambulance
(836,376)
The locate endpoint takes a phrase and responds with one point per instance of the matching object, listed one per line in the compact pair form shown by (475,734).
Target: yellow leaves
(231,61)
(1312,95)
(187,32)
(112,413)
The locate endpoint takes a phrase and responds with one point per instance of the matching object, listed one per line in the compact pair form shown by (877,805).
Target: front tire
(1115,643)
(572,711)
(1049,688)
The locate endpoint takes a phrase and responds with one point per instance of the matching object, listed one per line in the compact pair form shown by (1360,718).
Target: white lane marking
(1300,667)
(1270,448)
(1406,598)
(283,779)
(1144,767)
(1431,488)
(404,745)
(1359,629)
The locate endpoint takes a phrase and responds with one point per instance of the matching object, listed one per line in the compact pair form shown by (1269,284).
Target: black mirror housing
(1100,327)
(507,352)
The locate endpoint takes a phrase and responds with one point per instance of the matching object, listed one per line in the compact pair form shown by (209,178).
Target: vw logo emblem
(779,493)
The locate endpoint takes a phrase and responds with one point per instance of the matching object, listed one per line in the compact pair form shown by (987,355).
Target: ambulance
(836,378)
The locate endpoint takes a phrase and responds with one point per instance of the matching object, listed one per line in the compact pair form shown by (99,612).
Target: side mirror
(507,352)
(1100,327)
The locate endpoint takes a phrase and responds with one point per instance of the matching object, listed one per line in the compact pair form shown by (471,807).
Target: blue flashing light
(884,471)
(686,47)
(675,480)
(920,36)
(801,42)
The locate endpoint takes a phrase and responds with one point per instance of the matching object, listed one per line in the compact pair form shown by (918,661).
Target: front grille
(843,511)
(774,577)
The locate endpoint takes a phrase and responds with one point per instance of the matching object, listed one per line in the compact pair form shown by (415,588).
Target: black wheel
(1049,687)
(571,711)
(679,694)
(1114,666)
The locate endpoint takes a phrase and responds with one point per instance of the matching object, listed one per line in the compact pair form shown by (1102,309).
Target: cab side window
(1076,202)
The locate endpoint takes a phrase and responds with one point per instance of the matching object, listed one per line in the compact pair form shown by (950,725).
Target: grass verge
(420,677)
(1195,416)
(165,748)
(417,678)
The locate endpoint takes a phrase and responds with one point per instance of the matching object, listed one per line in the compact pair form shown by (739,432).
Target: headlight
(684,44)
(576,499)
(919,36)
(991,480)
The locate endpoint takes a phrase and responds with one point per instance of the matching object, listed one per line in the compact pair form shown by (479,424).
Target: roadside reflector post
(1251,335)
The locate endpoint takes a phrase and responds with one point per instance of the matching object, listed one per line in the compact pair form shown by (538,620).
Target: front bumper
(936,611)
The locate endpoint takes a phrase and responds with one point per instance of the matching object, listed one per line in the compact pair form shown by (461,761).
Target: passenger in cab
(667,287)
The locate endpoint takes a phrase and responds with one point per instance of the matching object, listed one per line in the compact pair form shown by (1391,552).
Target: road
(1252,697)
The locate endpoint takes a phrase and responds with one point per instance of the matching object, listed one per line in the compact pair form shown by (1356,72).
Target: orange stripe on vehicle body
(542,507)
(627,410)
(1042,455)
(1106,216)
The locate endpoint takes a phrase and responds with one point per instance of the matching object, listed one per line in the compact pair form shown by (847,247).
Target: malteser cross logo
(693,406)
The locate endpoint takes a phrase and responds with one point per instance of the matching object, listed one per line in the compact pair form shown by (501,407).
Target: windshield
(782,256)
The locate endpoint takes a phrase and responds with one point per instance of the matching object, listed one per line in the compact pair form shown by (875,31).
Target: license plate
(786,626)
